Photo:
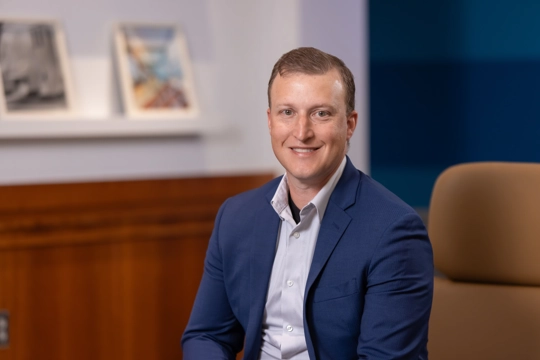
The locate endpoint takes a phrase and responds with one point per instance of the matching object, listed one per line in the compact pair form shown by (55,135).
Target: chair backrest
(484,224)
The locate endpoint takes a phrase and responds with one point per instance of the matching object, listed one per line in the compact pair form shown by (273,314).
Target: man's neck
(301,196)
(295,210)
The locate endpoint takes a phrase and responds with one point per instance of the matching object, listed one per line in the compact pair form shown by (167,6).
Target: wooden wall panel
(105,270)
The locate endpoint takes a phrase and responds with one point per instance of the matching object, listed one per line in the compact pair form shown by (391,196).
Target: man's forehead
(289,92)
(332,77)
(327,80)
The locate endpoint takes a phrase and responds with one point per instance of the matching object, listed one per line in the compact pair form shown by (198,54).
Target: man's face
(309,126)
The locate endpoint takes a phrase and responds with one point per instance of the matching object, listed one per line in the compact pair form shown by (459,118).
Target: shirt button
(296,235)
(289,328)
(290,283)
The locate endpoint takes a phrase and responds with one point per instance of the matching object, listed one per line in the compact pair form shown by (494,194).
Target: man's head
(311,61)
(311,115)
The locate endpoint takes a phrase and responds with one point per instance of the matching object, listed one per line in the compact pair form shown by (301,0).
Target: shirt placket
(292,291)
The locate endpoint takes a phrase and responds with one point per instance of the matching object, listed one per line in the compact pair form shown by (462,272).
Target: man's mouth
(303,150)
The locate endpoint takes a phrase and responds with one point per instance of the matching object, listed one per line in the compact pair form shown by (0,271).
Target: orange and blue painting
(155,66)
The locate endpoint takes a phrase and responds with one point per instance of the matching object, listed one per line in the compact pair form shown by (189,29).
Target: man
(324,262)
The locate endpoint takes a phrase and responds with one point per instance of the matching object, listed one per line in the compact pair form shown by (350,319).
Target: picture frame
(34,70)
(155,73)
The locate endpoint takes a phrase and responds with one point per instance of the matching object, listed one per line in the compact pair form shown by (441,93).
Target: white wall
(233,46)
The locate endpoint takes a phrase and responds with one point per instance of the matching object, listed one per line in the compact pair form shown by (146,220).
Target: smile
(303,150)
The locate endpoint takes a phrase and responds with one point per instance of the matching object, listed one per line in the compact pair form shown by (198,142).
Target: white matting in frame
(36,82)
(156,78)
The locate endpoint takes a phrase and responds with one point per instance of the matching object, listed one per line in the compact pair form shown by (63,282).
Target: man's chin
(306,178)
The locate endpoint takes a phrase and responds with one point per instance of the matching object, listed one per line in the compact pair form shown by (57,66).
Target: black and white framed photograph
(155,74)
(36,81)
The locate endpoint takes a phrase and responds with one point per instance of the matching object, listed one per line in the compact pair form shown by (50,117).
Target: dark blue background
(451,81)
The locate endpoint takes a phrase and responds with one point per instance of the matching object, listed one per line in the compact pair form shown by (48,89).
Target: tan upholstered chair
(484,223)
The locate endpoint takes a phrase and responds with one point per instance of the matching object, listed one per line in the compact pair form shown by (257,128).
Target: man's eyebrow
(315,106)
(323,105)
(285,104)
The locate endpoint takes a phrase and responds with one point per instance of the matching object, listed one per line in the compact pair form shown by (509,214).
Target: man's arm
(213,332)
(399,294)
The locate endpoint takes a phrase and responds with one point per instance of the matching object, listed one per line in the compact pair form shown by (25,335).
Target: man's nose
(303,128)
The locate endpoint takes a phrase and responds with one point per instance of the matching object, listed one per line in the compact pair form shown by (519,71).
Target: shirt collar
(280,201)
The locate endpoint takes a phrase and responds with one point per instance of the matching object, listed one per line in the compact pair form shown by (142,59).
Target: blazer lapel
(335,220)
(262,253)
(334,223)
(263,250)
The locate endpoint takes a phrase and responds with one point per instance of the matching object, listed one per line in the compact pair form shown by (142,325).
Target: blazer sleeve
(213,332)
(399,294)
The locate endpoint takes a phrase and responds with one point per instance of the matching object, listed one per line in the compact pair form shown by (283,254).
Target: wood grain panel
(105,270)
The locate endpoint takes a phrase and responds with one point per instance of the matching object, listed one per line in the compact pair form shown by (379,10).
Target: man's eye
(322,113)
(287,112)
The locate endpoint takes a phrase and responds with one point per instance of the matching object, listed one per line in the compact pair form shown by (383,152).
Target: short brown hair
(311,61)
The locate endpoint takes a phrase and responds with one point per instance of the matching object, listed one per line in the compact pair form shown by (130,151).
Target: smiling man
(323,262)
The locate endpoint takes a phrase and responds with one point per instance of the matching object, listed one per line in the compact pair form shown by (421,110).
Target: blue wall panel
(450,82)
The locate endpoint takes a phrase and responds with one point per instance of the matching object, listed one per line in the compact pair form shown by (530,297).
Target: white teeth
(302,150)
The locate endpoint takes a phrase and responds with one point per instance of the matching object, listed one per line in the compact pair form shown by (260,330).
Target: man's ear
(352,121)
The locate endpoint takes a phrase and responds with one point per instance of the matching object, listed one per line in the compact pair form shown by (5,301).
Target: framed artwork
(156,78)
(34,69)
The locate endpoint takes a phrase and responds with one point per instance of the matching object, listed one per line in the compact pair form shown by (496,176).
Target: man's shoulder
(253,197)
(369,194)
(239,212)
(377,209)
(380,200)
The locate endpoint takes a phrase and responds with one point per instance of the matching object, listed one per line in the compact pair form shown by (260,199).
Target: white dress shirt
(283,326)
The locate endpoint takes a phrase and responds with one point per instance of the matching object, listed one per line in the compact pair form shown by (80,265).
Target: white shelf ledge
(98,128)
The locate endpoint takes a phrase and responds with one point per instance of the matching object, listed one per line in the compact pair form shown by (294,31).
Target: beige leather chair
(484,223)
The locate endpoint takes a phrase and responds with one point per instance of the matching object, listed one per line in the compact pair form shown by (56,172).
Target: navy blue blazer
(369,288)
